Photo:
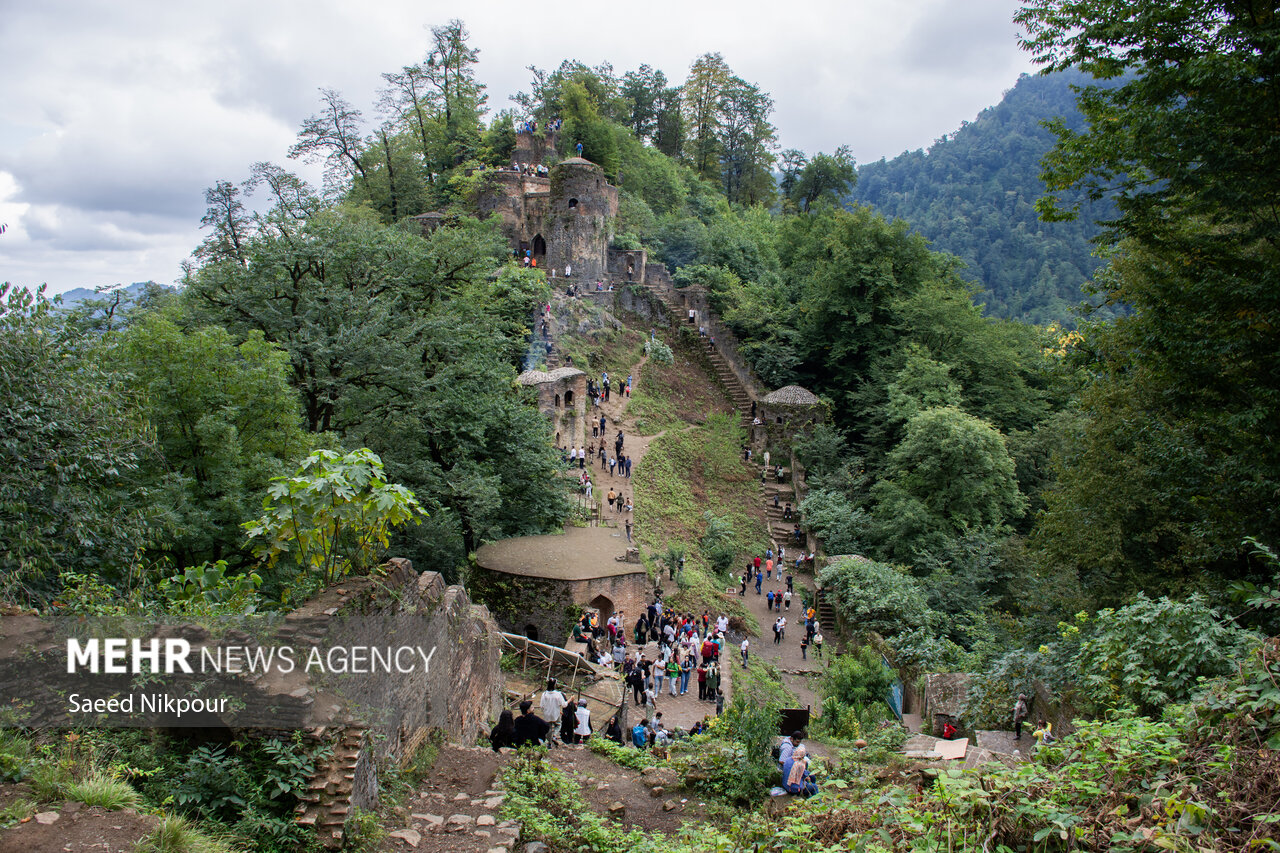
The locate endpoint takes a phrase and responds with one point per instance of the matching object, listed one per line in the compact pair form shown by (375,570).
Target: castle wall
(535,149)
(620,259)
(550,606)
(581,211)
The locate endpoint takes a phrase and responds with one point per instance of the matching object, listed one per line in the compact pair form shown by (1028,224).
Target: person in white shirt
(722,624)
(552,703)
(583,730)
(745,645)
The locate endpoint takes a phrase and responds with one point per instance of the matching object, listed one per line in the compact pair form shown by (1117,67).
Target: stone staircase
(732,385)
(780,530)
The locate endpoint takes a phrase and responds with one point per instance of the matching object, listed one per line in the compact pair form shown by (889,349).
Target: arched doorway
(568,399)
(531,631)
(603,604)
(539,246)
(557,401)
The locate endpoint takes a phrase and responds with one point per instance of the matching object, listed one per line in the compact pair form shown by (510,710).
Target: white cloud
(118,116)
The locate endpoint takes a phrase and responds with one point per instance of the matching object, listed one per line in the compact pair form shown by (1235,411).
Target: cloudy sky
(115,117)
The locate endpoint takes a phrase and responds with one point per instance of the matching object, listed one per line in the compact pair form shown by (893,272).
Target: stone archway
(568,399)
(604,605)
(539,246)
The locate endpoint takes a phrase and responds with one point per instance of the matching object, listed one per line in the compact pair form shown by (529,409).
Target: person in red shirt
(757,564)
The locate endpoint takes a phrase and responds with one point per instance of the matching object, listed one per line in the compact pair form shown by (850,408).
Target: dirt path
(678,710)
(800,669)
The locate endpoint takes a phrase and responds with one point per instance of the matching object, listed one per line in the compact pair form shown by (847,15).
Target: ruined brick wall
(388,715)
(520,604)
(404,608)
(620,259)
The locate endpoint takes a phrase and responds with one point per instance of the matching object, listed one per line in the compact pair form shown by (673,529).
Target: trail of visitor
(679,710)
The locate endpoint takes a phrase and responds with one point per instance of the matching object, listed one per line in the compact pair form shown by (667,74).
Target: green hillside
(973,194)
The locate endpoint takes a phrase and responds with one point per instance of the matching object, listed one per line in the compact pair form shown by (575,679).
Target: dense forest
(1094,509)
(973,194)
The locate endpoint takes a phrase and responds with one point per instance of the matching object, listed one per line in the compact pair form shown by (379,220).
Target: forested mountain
(973,194)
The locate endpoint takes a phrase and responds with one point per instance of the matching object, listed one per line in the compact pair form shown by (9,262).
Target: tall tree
(702,90)
(335,136)
(1187,387)
(72,441)
(827,177)
(642,90)
(410,98)
(450,68)
(228,222)
(746,140)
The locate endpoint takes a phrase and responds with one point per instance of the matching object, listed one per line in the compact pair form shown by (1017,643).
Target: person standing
(768,597)
(782,628)
(582,731)
(786,598)
(759,575)
(702,680)
(817,644)
(777,635)
(1020,712)
(746,644)
(628,531)
(673,674)
(552,702)
(686,671)
(804,647)
(529,727)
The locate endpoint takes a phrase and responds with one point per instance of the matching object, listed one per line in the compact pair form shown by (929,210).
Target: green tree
(72,441)
(643,91)
(335,137)
(225,420)
(746,141)
(701,95)
(951,473)
(827,178)
(1175,465)
(450,69)
(584,125)
(334,516)
(875,596)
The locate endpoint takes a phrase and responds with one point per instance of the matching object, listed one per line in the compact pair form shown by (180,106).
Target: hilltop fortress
(563,215)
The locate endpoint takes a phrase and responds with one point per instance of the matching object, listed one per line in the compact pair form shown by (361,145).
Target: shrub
(658,352)
(105,792)
(176,834)
(1150,654)
(633,759)
(875,596)
(854,690)
(550,808)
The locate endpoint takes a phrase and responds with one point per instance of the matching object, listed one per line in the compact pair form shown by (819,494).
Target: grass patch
(551,809)
(177,834)
(16,811)
(104,792)
(685,473)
